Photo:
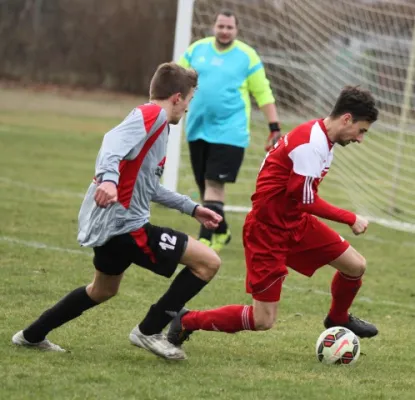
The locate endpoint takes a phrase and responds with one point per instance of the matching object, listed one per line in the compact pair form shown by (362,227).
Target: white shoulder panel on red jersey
(319,139)
(311,158)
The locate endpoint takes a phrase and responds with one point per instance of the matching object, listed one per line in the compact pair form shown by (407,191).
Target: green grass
(46,160)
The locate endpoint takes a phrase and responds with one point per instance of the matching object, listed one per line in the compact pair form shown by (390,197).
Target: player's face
(352,132)
(180,106)
(225,30)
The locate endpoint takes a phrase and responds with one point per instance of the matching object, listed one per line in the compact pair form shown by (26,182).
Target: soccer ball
(338,345)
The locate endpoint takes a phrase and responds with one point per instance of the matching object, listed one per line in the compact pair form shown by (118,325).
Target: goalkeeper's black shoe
(358,326)
(177,335)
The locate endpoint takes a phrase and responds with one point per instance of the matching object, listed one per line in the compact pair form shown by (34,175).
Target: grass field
(48,147)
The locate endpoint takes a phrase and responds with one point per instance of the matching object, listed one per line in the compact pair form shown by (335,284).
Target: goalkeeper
(217,124)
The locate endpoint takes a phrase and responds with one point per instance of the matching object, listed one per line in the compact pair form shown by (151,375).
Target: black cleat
(358,326)
(177,335)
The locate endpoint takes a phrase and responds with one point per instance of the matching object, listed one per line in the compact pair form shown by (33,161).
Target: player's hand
(272,139)
(360,225)
(106,194)
(207,217)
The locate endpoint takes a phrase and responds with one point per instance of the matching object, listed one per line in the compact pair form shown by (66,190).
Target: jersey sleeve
(258,84)
(184,61)
(307,160)
(174,200)
(119,142)
(186,58)
(303,185)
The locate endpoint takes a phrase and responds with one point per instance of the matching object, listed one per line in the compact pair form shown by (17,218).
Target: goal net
(311,49)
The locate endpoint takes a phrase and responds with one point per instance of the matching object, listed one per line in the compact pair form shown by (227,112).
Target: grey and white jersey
(132,155)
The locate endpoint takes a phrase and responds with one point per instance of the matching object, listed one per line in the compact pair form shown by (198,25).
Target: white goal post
(182,38)
(310,50)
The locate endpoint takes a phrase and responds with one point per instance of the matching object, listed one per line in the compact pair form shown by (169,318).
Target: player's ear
(347,118)
(176,98)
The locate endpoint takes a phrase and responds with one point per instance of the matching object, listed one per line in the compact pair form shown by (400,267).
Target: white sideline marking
(41,189)
(43,246)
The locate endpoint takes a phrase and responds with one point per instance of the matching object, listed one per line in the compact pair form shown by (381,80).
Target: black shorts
(152,247)
(216,162)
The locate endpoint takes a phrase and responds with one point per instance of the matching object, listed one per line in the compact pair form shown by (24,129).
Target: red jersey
(287,184)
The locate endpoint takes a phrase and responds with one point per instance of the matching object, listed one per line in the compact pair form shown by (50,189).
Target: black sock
(223,226)
(66,309)
(205,233)
(185,286)
(216,206)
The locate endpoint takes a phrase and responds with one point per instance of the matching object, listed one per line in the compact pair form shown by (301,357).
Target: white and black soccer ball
(338,345)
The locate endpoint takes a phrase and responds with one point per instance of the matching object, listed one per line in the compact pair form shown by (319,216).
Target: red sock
(229,319)
(344,289)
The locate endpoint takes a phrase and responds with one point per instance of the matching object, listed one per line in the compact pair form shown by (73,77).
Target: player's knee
(359,266)
(209,266)
(212,265)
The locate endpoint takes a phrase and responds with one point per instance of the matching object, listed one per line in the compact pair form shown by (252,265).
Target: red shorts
(268,252)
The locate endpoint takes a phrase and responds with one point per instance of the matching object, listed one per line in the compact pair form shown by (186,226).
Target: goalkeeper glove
(275,134)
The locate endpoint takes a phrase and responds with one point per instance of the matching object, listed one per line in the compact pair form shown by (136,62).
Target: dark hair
(358,102)
(171,78)
(226,13)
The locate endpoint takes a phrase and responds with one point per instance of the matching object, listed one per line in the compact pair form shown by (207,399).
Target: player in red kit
(282,229)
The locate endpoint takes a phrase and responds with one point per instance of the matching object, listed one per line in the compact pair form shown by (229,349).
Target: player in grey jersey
(114,221)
